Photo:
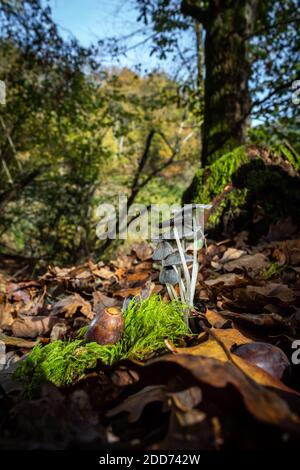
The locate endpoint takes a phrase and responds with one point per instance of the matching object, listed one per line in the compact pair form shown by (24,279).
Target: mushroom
(184,225)
(175,260)
(168,275)
(162,250)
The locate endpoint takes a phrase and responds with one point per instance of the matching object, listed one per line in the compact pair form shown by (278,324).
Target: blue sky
(90,20)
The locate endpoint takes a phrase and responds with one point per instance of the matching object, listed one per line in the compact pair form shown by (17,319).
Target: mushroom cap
(168,275)
(175,260)
(162,250)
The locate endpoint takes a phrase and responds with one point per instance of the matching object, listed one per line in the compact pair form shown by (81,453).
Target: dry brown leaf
(264,404)
(253,264)
(229,337)
(104,273)
(101,301)
(71,304)
(231,254)
(31,327)
(140,276)
(131,291)
(273,290)
(135,404)
(215,318)
(228,280)
(122,261)
(17,342)
(6,315)
(120,273)
(259,319)
(144,266)
(143,250)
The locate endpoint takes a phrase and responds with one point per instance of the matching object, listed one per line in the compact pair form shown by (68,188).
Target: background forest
(76,132)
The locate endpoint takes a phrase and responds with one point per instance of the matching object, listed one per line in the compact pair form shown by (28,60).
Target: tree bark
(227,101)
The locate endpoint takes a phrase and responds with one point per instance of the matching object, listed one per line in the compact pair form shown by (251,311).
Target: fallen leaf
(259,319)
(145,266)
(122,261)
(228,280)
(135,404)
(216,319)
(264,404)
(71,304)
(6,316)
(253,264)
(101,301)
(187,399)
(140,276)
(120,273)
(259,294)
(229,337)
(104,273)
(131,291)
(142,250)
(231,254)
(31,327)
(17,342)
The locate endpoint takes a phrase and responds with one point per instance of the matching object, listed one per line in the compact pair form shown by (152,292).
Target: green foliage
(147,324)
(275,270)
(86,132)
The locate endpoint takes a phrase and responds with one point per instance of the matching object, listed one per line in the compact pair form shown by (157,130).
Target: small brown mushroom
(107,327)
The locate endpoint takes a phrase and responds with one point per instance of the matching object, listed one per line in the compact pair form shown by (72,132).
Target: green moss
(275,270)
(210,182)
(147,324)
(291,155)
(255,185)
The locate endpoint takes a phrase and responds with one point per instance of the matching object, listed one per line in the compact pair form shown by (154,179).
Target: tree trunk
(227,23)
(227,98)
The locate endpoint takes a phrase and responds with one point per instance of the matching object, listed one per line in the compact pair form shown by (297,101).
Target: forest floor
(205,394)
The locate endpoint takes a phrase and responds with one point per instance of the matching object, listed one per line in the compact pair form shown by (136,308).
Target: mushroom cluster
(177,267)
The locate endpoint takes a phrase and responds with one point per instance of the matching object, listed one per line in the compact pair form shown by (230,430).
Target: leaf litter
(197,394)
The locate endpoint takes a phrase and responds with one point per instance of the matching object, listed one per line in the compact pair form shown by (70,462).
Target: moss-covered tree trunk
(227,99)
(228,25)
(250,188)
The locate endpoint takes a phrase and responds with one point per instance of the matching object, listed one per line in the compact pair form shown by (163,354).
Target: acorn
(107,327)
(266,356)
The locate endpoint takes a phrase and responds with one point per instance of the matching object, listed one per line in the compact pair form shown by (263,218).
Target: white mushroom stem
(181,285)
(195,265)
(183,262)
(171,292)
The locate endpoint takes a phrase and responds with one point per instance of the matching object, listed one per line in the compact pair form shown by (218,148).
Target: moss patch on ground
(147,324)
